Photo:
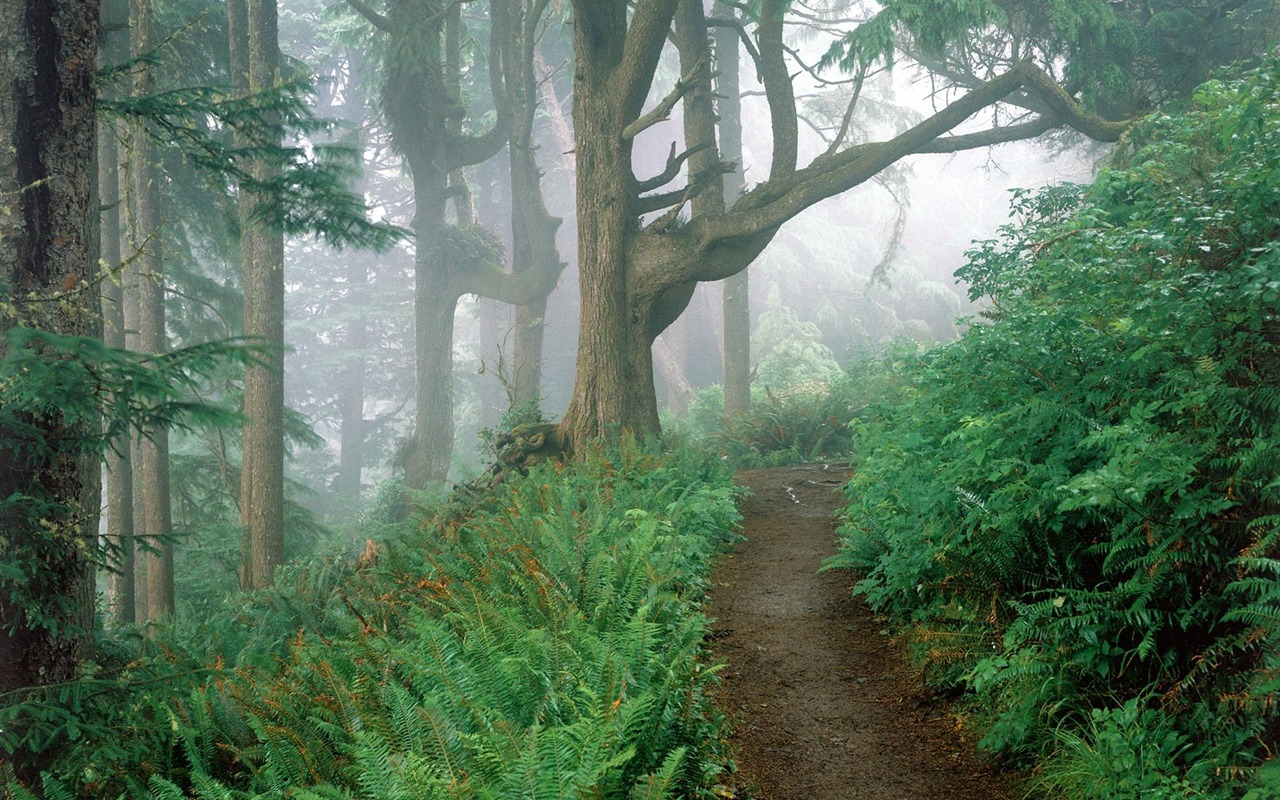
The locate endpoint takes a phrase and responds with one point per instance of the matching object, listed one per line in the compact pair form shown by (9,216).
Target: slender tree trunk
(120,577)
(351,391)
(132,308)
(533,228)
(430,450)
(737,310)
(147,236)
(48,52)
(252,26)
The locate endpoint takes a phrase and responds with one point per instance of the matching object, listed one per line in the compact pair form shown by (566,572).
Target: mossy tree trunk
(48,262)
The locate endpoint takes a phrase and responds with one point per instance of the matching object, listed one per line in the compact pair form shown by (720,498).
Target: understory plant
(798,423)
(1073,509)
(547,641)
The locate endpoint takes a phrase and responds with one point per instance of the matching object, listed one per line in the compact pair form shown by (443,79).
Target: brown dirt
(824,703)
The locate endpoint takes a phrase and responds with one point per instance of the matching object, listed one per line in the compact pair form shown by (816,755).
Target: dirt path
(825,706)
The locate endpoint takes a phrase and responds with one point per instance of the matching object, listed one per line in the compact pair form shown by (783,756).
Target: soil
(824,703)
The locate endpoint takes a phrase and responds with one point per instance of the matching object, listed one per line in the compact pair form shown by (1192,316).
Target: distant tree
(119,482)
(533,228)
(429,126)
(635,278)
(737,297)
(146,241)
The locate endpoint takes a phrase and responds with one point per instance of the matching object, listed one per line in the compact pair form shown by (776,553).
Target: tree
(736,305)
(255,68)
(533,228)
(146,239)
(426,113)
(636,278)
(48,260)
(119,483)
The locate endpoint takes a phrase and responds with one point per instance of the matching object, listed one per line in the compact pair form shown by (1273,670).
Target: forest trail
(823,703)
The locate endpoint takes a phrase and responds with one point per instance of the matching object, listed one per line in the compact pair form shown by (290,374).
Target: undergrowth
(799,423)
(1072,511)
(545,643)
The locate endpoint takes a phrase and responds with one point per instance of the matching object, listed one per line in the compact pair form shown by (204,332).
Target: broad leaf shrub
(545,642)
(1073,509)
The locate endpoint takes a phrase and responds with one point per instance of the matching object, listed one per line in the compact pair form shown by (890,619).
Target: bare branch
(993,136)
(669,173)
(662,110)
(678,197)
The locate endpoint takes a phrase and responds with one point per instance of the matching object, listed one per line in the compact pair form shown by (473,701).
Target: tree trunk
(612,352)
(120,575)
(533,228)
(147,236)
(48,52)
(429,451)
(737,307)
(351,391)
(131,280)
(252,28)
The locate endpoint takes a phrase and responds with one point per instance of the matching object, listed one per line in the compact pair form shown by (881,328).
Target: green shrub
(1076,502)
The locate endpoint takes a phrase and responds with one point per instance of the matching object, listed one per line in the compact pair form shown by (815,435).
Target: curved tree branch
(671,170)
(779,200)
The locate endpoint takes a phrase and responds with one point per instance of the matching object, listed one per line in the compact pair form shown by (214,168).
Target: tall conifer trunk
(120,577)
(146,237)
(48,52)
(252,29)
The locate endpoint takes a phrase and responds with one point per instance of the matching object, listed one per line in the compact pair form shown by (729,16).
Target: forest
(381,382)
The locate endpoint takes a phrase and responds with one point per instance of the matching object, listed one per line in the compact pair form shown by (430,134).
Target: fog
(854,272)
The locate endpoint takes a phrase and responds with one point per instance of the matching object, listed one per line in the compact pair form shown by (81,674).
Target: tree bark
(252,29)
(613,387)
(120,575)
(147,236)
(48,52)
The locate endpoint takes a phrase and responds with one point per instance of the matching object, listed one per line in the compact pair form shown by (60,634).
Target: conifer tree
(147,242)
(255,59)
(48,261)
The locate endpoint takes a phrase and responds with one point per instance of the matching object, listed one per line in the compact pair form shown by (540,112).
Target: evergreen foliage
(103,395)
(544,642)
(1074,506)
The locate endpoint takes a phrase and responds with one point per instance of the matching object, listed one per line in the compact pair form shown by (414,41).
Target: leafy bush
(548,643)
(801,423)
(1075,504)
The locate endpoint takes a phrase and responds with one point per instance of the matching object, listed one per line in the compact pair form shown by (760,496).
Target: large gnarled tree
(426,112)
(636,278)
